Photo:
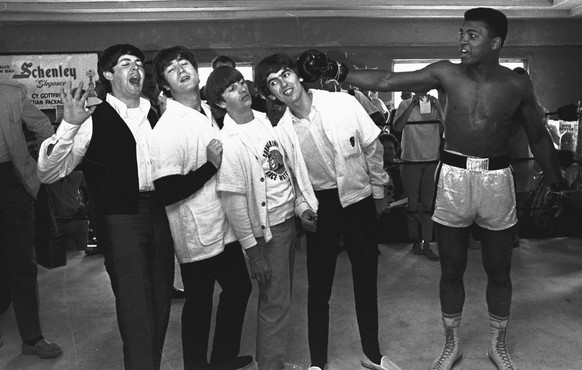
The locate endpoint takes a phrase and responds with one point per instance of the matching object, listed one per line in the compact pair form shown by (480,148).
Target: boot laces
(501,350)
(447,350)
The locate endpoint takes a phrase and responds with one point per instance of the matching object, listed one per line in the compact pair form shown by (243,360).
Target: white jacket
(241,173)
(199,226)
(353,134)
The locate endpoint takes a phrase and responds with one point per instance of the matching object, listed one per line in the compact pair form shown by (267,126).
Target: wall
(553,47)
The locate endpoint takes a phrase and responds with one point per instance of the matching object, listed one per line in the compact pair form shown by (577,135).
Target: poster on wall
(45,74)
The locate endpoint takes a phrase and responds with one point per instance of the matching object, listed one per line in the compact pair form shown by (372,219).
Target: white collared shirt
(317,150)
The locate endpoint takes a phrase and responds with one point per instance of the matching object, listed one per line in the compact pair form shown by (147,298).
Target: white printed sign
(424,103)
(45,74)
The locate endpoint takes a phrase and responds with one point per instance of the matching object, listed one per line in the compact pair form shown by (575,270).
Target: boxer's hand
(560,185)
(313,64)
(214,152)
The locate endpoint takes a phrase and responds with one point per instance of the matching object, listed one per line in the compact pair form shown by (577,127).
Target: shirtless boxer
(481,99)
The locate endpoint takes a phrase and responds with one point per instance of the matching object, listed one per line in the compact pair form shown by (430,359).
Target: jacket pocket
(210,222)
(349,145)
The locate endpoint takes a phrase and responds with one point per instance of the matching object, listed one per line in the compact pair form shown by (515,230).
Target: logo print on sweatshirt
(274,157)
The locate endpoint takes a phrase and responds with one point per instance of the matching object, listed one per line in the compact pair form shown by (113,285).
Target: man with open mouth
(109,142)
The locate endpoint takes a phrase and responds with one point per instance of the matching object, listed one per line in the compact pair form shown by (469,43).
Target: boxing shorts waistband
(475,164)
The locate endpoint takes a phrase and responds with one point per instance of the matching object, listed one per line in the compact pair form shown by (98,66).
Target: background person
(19,186)
(420,151)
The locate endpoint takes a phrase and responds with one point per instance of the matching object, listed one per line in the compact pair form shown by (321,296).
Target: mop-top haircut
(164,57)
(272,64)
(218,81)
(109,58)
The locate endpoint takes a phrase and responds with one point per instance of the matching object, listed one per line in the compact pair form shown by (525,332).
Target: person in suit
(19,187)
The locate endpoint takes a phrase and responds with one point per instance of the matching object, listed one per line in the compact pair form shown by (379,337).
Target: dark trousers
(230,271)
(139,259)
(357,223)
(17,251)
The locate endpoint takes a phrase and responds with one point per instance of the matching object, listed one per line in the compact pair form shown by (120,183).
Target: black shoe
(178,293)
(416,249)
(427,251)
(236,363)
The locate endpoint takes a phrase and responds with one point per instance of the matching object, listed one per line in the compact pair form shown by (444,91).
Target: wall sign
(45,74)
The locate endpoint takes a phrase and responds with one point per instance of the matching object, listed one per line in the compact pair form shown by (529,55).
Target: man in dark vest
(109,141)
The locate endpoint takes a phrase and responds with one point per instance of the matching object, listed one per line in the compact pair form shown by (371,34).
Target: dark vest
(110,164)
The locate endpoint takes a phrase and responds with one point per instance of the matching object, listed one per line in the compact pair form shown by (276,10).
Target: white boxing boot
(451,353)
(498,350)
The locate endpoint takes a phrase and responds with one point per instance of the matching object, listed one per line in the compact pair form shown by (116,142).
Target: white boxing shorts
(479,190)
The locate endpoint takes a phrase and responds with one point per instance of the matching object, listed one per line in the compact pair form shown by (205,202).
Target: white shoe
(385,364)
(291,366)
(314,368)
(498,349)
(451,352)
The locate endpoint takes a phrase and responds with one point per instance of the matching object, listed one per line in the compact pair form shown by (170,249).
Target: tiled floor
(78,312)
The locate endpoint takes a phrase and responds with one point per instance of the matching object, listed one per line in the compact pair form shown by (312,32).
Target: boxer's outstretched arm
(424,79)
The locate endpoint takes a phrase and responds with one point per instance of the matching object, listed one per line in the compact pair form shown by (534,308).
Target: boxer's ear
(496,43)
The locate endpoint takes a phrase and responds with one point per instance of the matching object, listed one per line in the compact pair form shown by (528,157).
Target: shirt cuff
(67,131)
(378,191)
(300,208)
(248,242)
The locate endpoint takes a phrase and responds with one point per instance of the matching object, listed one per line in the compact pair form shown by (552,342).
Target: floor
(77,311)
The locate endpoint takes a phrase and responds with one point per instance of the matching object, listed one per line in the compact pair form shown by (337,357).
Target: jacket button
(263,204)
(263,227)
(262,179)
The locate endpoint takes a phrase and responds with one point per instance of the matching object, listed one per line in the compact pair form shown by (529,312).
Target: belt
(474,164)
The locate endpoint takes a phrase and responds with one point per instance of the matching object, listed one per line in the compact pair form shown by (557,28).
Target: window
(204,71)
(407,65)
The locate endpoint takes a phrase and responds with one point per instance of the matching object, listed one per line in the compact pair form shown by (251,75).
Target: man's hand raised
(74,101)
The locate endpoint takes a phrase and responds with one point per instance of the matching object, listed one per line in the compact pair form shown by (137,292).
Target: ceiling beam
(171,10)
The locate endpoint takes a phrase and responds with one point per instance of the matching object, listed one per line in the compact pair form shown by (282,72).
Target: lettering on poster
(45,75)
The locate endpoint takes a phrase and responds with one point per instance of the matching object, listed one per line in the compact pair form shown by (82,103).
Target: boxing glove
(313,64)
